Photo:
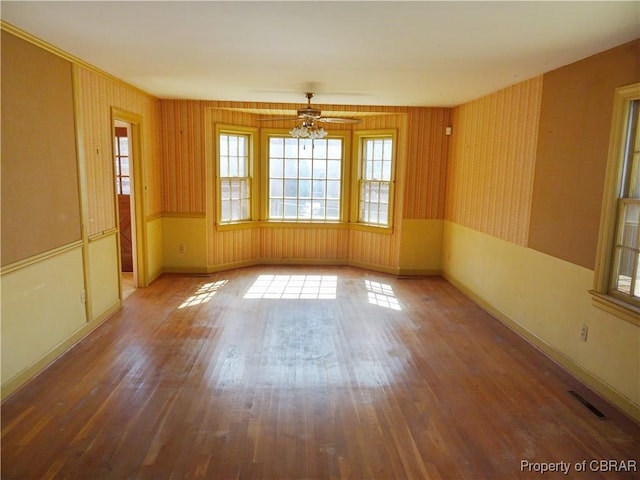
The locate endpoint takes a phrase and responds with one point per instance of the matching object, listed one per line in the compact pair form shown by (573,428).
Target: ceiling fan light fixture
(308,131)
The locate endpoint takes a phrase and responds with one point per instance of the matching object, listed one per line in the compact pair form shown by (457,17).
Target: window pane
(320,149)
(304,208)
(126,187)
(624,263)
(290,208)
(319,190)
(235,190)
(233,170)
(233,167)
(333,169)
(333,209)
(224,145)
(124,145)
(319,169)
(384,193)
(276,209)
(291,168)
(224,166)
(242,146)
(376,167)
(245,191)
(629,233)
(244,212)
(304,188)
(364,212)
(333,189)
(383,215)
(276,188)
(225,210)
(318,209)
(276,147)
(233,145)
(306,148)
(304,170)
(334,149)
(276,167)
(291,148)
(290,188)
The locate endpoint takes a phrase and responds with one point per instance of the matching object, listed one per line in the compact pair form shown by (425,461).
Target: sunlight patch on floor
(382,295)
(203,294)
(294,287)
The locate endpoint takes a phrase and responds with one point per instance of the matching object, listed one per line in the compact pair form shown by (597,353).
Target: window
(234,176)
(617,279)
(121,149)
(624,281)
(305,178)
(376,162)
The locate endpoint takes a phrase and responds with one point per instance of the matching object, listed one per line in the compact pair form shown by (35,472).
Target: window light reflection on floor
(321,287)
(382,295)
(203,294)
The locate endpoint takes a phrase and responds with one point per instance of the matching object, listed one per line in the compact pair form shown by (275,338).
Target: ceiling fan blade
(275,119)
(338,120)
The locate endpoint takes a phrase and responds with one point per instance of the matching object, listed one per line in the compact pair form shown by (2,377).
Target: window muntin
(234,179)
(625,267)
(121,149)
(376,167)
(305,179)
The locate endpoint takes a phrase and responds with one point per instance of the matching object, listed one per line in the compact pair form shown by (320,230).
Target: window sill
(619,308)
(363,227)
(223,227)
(303,224)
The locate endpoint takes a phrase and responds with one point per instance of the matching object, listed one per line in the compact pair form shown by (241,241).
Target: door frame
(141,278)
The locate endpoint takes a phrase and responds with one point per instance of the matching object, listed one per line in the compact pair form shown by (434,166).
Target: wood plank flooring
(305,373)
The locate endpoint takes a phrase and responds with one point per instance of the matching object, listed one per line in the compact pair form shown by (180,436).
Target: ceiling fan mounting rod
(309,96)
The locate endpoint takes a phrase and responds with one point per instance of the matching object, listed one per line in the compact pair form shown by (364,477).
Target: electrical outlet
(584,332)
(181,249)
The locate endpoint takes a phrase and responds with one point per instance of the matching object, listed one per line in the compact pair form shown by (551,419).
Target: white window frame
(248,178)
(363,180)
(624,141)
(308,144)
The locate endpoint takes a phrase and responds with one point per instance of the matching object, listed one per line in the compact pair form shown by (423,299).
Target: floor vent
(582,400)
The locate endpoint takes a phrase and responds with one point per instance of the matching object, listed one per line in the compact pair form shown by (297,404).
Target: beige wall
(575,120)
(68,283)
(37,111)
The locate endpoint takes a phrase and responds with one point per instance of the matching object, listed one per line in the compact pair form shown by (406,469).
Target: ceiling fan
(309,115)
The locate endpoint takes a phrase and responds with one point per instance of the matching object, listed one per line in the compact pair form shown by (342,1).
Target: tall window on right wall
(625,281)
(376,164)
(617,279)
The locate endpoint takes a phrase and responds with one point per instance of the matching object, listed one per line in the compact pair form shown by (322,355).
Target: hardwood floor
(305,372)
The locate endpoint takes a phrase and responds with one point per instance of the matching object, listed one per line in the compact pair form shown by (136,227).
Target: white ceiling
(415,53)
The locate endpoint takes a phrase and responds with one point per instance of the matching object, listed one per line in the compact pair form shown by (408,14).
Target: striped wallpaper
(96,95)
(428,148)
(185,168)
(492,160)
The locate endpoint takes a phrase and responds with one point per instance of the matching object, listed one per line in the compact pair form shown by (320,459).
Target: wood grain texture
(194,380)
